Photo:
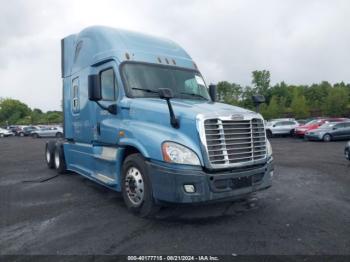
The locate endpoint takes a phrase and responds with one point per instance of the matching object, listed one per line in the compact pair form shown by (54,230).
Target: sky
(298,41)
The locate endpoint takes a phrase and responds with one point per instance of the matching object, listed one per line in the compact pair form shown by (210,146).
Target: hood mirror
(212,92)
(257,100)
(165,93)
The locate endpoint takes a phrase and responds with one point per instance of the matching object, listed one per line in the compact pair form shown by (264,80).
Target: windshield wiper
(194,94)
(146,90)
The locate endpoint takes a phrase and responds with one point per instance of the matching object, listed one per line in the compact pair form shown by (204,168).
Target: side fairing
(77,114)
(68,130)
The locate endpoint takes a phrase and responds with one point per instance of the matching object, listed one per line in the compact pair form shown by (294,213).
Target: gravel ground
(306,212)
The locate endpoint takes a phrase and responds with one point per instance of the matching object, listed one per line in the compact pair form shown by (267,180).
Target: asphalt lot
(307,211)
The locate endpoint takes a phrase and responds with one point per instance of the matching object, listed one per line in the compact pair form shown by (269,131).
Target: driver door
(105,125)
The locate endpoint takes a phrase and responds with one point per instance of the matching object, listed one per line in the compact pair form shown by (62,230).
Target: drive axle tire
(49,154)
(137,188)
(59,135)
(60,162)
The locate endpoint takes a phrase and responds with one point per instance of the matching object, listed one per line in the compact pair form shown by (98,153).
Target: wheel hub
(134,186)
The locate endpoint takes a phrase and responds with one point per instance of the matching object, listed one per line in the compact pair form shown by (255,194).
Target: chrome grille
(231,142)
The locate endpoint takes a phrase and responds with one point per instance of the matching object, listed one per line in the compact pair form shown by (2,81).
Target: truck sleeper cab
(139,119)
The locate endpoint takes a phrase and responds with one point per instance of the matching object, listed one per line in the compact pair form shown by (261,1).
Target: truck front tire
(136,187)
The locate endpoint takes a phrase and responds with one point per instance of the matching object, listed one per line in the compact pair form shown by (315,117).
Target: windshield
(328,124)
(314,122)
(144,80)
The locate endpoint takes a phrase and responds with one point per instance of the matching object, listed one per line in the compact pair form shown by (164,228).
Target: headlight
(269,148)
(176,153)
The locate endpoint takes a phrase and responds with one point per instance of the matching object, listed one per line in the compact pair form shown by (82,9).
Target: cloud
(300,42)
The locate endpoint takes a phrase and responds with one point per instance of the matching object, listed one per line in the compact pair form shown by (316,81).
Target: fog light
(189,188)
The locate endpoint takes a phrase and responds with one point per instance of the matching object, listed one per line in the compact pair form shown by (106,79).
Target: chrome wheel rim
(347,154)
(134,186)
(327,138)
(57,159)
(48,156)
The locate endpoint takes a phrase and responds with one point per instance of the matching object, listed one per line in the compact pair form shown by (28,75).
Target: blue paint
(144,121)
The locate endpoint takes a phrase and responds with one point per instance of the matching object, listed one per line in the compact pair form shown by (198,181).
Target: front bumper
(7,134)
(300,133)
(313,136)
(168,182)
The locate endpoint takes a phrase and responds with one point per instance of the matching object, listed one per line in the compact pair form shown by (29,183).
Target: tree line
(284,100)
(15,112)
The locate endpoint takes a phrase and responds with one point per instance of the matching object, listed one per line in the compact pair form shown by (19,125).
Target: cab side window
(108,85)
(75,96)
(279,124)
(290,123)
(338,126)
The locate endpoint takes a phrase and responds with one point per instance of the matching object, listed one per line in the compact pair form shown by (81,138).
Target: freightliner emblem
(237,117)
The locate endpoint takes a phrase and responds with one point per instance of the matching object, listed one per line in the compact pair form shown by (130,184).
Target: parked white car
(5,132)
(281,127)
(48,132)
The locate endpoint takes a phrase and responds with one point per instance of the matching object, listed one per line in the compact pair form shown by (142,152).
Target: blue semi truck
(140,119)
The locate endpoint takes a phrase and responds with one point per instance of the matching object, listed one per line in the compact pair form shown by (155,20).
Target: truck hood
(156,110)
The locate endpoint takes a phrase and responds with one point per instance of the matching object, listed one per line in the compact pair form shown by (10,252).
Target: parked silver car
(48,132)
(330,131)
(5,132)
(281,127)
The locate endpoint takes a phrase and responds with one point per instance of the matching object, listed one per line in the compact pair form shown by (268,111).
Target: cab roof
(96,44)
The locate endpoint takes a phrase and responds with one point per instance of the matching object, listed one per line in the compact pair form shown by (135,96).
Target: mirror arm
(100,105)
(173,120)
(111,111)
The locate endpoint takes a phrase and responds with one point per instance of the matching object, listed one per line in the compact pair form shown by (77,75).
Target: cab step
(104,179)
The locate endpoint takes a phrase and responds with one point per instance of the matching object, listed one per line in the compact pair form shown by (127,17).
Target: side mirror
(257,100)
(165,93)
(95,93)
(212,92)
(94,88)
(112,109)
